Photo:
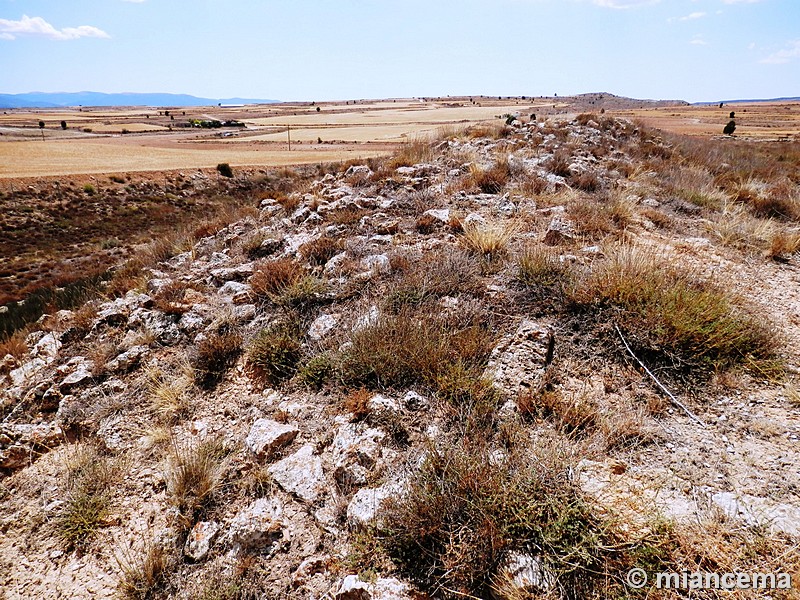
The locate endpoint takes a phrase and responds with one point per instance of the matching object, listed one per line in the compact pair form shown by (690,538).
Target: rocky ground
(250,418)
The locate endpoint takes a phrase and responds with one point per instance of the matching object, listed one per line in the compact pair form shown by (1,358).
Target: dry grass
(144,575)
(194,475)
(274,353)
(541,267)
(597,217)
(15,345)
(169,390)
(321,250)
(674,316)
(489,241)
(466,510)
(492,180)
(285,282)
(215,354)
(415,151)
(87,507)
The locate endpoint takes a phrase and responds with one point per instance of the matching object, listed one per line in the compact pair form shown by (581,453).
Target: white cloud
(135,1)
(740,1)
(690,17)
(781,57)
(623,3)
(37,26)
(698,41)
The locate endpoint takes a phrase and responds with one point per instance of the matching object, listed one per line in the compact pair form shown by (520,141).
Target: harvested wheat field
(517,360)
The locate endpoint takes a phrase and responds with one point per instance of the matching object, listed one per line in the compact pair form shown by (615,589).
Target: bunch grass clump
(194,476)
(465,512)
(274,353)
(88,504)
(675,316)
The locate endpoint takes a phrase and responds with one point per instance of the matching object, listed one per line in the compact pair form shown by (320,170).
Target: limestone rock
(300,474)
(518,362)
(353,588)
(558,232)
(266,436)
(238,293)
(356,449)
(365,507)
(200,539)
(522,575)
(259,525)
(321,326)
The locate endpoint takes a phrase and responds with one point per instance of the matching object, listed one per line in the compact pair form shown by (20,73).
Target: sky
(317,50)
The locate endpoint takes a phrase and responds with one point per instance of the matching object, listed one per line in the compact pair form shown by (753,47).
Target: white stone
(266,436)
(300,474)
(366,505)
(258,525)
(321,326)
(200,539)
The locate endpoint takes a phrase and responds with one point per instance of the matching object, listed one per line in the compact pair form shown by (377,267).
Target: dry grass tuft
(87,508)
(215,354)
(489,241)
(541,267)
(194,476)
(321,250)
(491,180)
(674,316)
(169,391)
(143,576)
(274,353)
(285,282)
(467,509)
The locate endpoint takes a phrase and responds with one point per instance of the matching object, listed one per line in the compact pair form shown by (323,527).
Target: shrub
(321,250)
(273,354)
(729,128)
(194,476)
(225,170)
(465,512)
(88,504)
(316,371)
(673,316)
(89,189)
(215,354)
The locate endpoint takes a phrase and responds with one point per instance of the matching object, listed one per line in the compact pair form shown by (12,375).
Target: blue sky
(343,49)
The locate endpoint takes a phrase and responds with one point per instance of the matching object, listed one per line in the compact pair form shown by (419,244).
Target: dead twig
(660,385)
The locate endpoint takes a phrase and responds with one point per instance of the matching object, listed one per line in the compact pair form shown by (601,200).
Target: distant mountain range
(792,99)
(62,99)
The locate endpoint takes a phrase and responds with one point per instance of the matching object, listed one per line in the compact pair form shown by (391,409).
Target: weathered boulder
(300,474)
(266,436)
(200,539)
(518,362)
(259,525)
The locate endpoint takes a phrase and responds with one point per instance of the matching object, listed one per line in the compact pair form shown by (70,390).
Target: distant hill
(792,99)
(61,99)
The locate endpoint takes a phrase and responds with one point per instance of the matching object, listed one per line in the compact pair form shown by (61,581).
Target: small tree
(730,127)
(41,128)
(733,114)
(225,170)
(64,125)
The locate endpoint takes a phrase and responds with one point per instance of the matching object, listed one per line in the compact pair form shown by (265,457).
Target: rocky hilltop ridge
(409,378)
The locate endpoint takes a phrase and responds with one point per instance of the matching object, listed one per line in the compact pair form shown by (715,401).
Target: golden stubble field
(120,140)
